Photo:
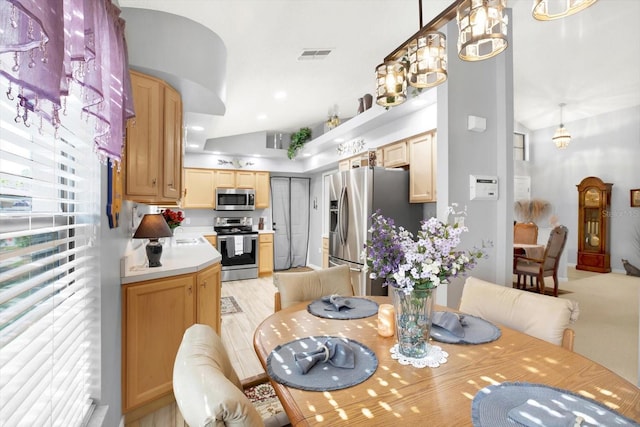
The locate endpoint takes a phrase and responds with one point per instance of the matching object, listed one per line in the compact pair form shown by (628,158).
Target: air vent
(313,54)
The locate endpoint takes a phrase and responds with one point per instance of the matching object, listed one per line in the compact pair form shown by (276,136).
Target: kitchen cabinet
(395,155)
(344,165)
(422,169)
(199,189)
(153,156)
(265,254)
(225,178)
(213,239)
(262,190)
(325,252)
(245,179)
(155,315)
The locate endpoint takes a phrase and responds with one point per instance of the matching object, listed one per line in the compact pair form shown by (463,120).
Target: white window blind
(49,274)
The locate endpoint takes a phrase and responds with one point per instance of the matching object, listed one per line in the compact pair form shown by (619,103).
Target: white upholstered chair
(294,288)
(207,389)
(541,316)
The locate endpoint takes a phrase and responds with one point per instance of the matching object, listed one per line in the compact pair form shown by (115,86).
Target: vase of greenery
(298,139)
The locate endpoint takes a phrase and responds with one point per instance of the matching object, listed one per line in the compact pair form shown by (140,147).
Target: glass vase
(414,311)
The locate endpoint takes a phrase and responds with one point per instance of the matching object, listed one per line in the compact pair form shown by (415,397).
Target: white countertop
(192,255)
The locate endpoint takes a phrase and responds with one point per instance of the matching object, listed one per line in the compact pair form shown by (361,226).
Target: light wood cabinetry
(213,240)
(225,178)
(325,252)
(395,155)
(262,190)
(344,165)
(153,157)
(265,254)
(155,315)
(199,185)
(245,179)
(422,170)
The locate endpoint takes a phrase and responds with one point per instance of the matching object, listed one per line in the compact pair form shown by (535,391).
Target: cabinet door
(262,190)
(344,165)
(199,189)
(213,240)
(245,179)
(395,155)
(325,252)
(144,138)
(156,314)
(172,163)
(422,171)
(209,285)
(265,254)
(226,178)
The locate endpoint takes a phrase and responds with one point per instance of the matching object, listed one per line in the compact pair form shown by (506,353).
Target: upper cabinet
(245,179)
(199,185)
(153,157)
(262,190)
(395,155)
(422,171)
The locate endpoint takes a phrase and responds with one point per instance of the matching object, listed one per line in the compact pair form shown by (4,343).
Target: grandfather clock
(594,205)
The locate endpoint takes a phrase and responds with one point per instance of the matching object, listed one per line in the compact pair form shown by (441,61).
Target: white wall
(606,146)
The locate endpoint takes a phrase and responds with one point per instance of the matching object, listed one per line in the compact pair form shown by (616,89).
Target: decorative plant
(173,218)
(531,210)
(298,139)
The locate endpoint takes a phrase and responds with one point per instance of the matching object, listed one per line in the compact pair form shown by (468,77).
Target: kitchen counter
(183,254)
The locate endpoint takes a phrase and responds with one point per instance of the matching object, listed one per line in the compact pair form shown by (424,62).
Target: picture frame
(635,198)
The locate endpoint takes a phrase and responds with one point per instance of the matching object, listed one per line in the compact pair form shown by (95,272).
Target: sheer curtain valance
(50,49)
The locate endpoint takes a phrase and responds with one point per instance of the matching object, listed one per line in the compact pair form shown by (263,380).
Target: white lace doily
(434,358)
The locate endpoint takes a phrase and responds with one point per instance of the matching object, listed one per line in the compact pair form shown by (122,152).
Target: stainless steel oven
(238,245)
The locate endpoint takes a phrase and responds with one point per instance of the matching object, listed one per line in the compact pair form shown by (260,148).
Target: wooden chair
(293,288)
(525,232)
(207,389)
(541,316)
(538,269)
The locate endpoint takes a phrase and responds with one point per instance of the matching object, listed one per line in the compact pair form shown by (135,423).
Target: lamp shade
(547,10)
(391,78)
(152,226)
(562,138)
(482,26)
(427,60)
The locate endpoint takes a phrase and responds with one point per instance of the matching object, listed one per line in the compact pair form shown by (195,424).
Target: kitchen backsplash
(206,217)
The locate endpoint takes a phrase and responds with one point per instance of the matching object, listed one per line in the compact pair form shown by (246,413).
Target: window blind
(49,273)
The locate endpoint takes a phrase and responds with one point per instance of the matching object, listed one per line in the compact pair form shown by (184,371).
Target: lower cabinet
(155,315)
(265,254)
(325,252)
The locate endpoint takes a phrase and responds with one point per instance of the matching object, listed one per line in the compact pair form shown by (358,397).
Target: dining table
(398,394)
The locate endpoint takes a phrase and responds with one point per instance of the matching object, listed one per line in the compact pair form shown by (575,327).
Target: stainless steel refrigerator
(353,196)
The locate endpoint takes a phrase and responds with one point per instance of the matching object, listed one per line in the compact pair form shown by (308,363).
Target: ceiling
(590,61)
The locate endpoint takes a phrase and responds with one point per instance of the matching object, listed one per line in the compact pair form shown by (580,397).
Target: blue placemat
(323,376)
(362,307)
(476,331)
(525,404)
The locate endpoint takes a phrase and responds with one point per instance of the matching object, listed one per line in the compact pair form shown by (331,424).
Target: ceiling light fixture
(391,78)
(482,26)
(547,10)
(561,138)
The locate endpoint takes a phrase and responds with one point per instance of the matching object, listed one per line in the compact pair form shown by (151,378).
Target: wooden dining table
(400,394)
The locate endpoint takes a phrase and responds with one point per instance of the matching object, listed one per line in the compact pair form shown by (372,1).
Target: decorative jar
(414,311)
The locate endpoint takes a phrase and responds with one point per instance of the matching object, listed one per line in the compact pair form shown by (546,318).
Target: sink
(189,241)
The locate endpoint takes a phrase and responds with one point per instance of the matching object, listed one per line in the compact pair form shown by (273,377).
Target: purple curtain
(50,49)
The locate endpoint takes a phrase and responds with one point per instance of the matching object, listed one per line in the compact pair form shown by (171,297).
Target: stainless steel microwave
(235,199)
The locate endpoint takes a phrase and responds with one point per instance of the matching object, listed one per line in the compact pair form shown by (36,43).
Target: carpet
(548,289)
(229,305)
(264,398)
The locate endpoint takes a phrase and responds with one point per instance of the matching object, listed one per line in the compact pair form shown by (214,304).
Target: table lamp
(152,227)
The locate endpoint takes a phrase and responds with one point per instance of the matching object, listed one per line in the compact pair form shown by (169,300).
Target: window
(519,148)
(49,273)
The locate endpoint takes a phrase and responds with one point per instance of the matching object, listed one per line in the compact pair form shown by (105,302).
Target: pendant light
(391,83)
(427,57)
(547,10)
(561,138)
(482,26)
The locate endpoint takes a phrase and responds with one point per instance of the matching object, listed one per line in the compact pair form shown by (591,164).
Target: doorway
(290,209)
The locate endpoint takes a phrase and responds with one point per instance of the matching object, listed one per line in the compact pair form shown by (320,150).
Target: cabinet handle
(204,284)
(153,181)
(190,290)
(170,185)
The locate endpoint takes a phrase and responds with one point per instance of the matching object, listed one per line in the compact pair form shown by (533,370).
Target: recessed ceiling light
(280,94)
(306,154)
(262,116)
(256,155)
(197,128)
(193,145)
(339,140)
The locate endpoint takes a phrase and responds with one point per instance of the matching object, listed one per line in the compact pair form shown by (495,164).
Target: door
(290,209)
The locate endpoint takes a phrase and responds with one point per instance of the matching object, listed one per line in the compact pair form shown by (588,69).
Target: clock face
(592,197)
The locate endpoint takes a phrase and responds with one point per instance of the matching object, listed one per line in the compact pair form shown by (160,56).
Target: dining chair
(207,389)
(538,269)
(541,316)
(294,288)
(525,232)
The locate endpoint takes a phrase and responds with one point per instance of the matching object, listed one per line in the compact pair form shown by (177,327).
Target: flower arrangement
(423,263)
(173,218)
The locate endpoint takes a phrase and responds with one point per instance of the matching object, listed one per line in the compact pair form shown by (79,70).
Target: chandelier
(561,138)
(482,26)
(547,10)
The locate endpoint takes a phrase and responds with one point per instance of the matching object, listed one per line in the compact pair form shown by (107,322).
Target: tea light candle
(386,320)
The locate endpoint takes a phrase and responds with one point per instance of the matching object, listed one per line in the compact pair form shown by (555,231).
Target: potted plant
(298,139)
